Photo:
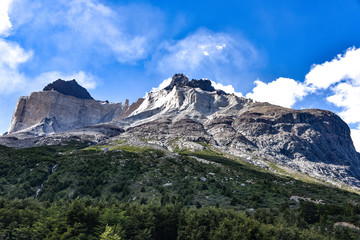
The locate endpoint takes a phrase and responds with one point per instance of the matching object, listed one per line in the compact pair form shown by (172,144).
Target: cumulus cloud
(283,91)
(86,80)
(342,67)
(216,55)
(226,88)
(11,57)
(355,135)
(5,24)
(347,96)
(162,85)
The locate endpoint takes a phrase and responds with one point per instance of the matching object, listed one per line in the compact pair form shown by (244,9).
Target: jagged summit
(70,88)
(180,80)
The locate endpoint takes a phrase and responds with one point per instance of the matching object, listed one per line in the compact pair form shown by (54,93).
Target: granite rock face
(62,106)
(50,111)
(189,114)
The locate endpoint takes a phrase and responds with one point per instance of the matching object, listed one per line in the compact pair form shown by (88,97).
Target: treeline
(95,219)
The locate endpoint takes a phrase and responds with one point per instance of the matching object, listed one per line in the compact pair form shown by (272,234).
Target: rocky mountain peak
(180,80)
(70,88)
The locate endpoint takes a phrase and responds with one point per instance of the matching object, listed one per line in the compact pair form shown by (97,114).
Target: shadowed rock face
(180,80)
(311,139)
(70,88)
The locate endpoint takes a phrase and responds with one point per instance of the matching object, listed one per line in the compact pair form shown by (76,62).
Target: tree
(109,234)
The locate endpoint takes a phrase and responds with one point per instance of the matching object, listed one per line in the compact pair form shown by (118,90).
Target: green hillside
(147,193)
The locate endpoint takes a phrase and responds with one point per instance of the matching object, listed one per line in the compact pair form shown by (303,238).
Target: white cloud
(84,79)
(355,135)
(162,85)
(283,91)
(347,96)
(11,56)
(5,24)
(99,24)
(13,80)
(226,88)
(215,55)
(342,67)
(127,32)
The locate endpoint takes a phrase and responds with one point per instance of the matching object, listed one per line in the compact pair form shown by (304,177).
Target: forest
(80,191)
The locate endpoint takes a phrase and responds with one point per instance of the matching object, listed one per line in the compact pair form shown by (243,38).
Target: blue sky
(300,54)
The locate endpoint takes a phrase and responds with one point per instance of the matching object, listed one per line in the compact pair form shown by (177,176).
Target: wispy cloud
(70,35)
(88,30)
(5,24)
(86,80)
(215,55)
(11,57)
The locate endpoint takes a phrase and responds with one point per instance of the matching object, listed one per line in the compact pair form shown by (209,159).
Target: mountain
(192,115)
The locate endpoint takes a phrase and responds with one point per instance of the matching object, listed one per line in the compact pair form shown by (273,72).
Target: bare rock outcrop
(180,80)
(51,111)
(70,88)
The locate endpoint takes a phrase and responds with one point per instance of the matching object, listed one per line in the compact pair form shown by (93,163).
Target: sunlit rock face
(312,141)
(63,105)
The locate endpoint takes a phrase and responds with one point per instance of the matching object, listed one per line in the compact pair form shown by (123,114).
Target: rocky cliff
(61,106)
(193,115)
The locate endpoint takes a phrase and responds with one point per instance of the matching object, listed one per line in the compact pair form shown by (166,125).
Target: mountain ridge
(312,141)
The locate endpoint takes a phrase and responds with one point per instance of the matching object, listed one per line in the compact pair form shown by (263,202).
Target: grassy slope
(130,173)
(132,176)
